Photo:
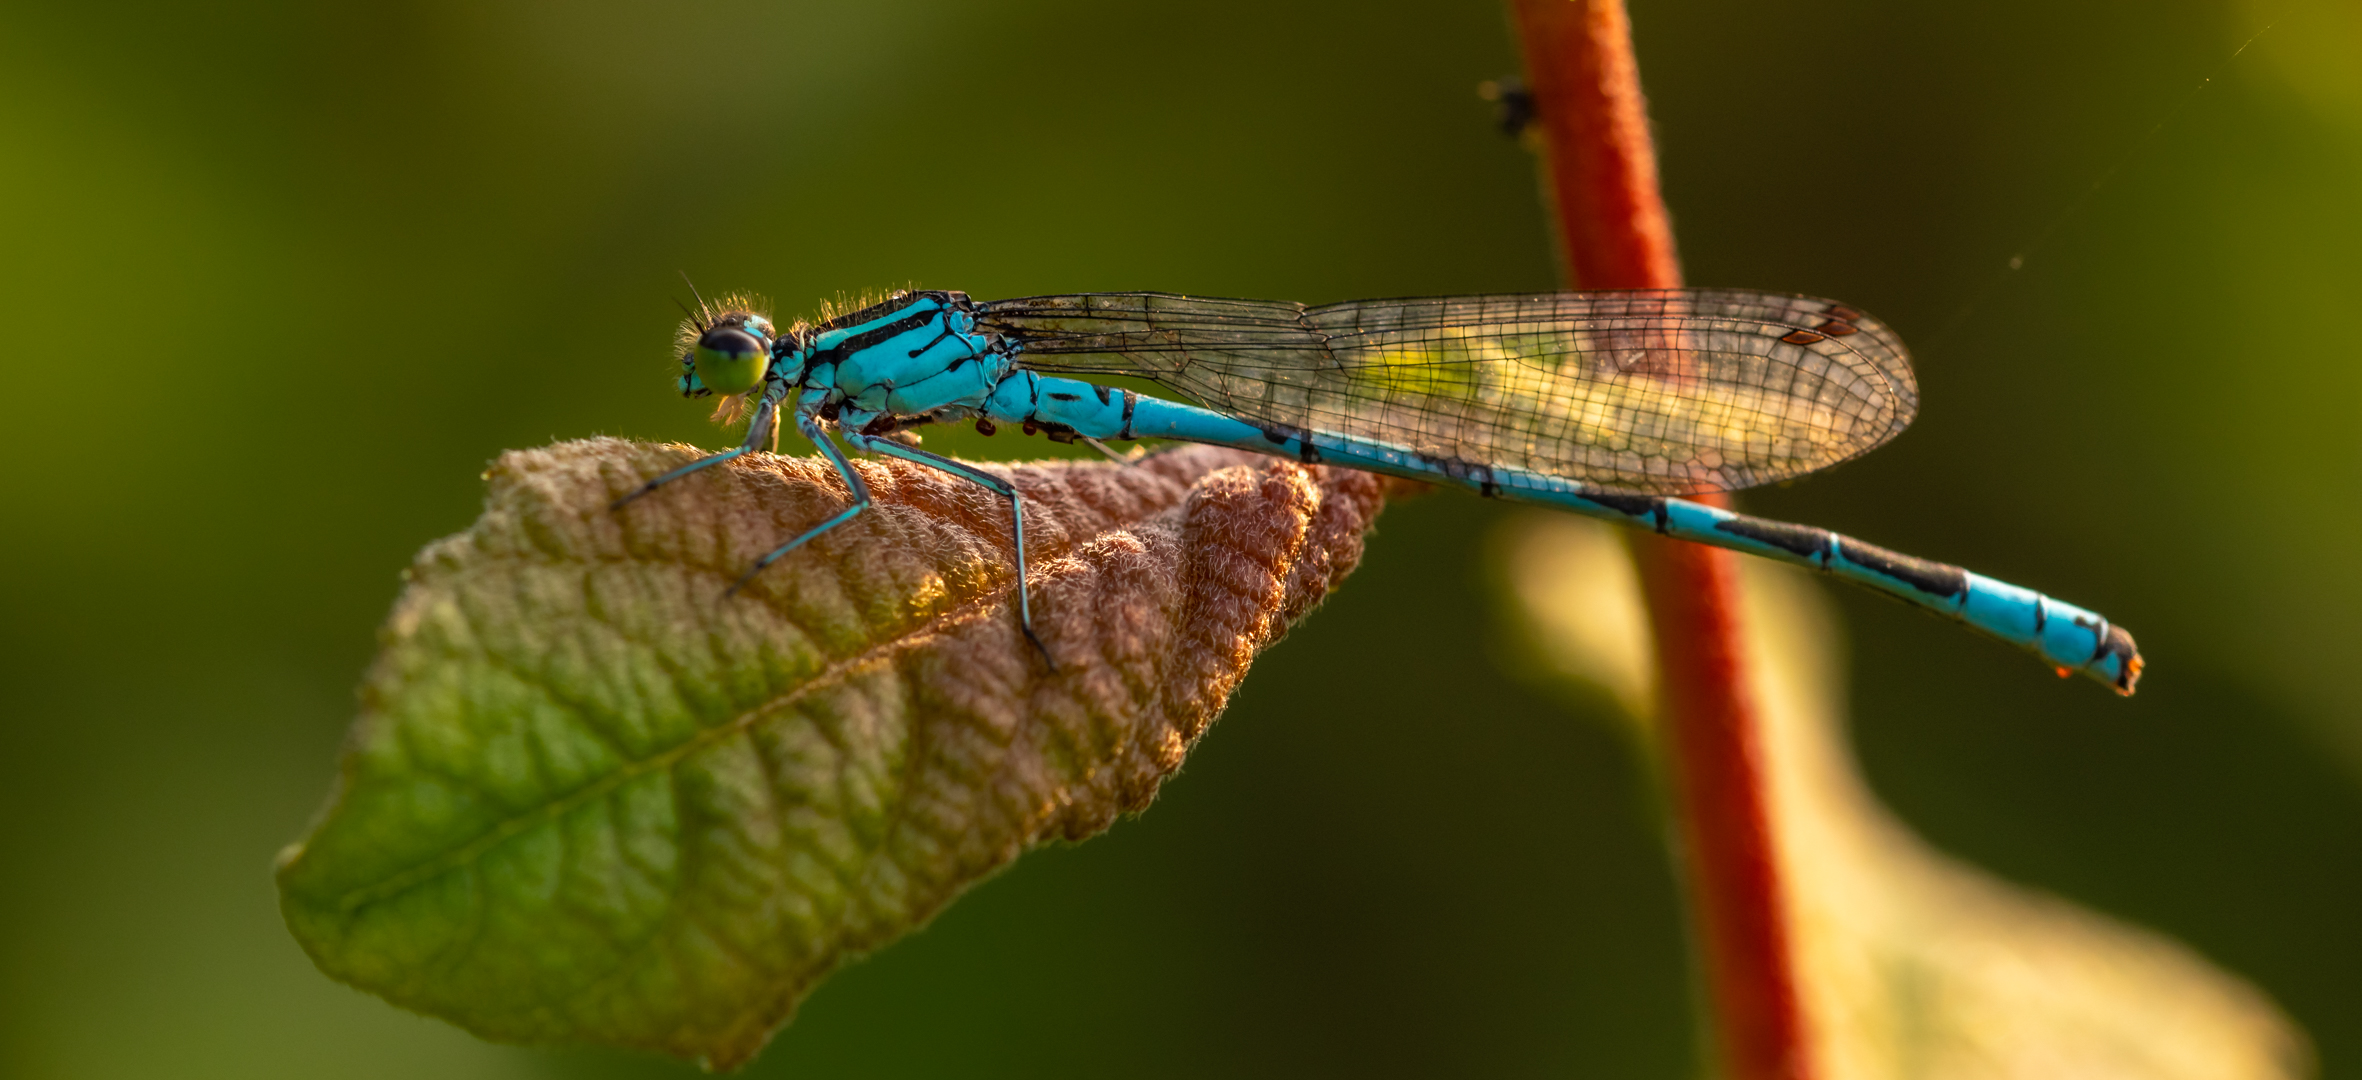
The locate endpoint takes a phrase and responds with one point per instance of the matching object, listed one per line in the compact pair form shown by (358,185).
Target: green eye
(730,360)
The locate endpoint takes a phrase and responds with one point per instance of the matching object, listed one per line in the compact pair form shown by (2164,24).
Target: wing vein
(1672,391)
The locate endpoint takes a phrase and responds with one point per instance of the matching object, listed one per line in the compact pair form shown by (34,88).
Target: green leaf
(590,799)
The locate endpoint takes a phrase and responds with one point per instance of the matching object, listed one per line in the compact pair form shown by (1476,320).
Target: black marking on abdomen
(1305,451)
(1056,396)
(1804,540)
(2099,637)
(1638,506)
(2041,613)
(2108,639)
(1927,576)
(2119,644)
(1131,401)
(1472,473)
(1101,391)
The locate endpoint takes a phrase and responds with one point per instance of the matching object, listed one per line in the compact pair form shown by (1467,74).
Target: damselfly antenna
(705,318)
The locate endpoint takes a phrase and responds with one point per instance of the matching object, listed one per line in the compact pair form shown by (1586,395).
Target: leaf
(1912,963)
(588,798)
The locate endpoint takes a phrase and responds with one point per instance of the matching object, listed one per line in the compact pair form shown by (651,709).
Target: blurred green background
(277,279)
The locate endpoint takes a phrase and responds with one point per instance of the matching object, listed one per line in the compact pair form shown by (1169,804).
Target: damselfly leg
(764,426)
(993,483)
(853,484)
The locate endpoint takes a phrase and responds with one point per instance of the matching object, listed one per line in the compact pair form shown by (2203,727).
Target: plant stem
(1614,234)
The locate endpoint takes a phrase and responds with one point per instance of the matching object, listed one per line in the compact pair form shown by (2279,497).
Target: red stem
(1602,179)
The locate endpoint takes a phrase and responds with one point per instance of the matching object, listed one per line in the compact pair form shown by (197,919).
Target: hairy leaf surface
(588,798)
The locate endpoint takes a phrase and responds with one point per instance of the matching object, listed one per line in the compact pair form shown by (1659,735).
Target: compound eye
(730,360)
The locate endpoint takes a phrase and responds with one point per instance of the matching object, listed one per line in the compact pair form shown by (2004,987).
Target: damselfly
(1611,404)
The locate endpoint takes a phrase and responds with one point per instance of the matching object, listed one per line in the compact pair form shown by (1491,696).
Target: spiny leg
(755,433)
(998,486)
(853,483)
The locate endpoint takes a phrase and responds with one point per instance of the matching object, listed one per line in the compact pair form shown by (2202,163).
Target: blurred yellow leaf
(1912,963)
(590,799)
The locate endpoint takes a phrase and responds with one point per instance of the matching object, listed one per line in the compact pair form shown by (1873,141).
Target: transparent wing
(1673,391)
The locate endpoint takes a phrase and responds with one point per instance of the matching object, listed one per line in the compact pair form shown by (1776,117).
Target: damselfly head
(725,348)
(730,358)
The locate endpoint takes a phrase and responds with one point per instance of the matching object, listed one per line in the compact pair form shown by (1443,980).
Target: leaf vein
(835,673)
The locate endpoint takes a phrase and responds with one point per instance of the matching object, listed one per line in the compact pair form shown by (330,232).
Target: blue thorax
(920,356)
